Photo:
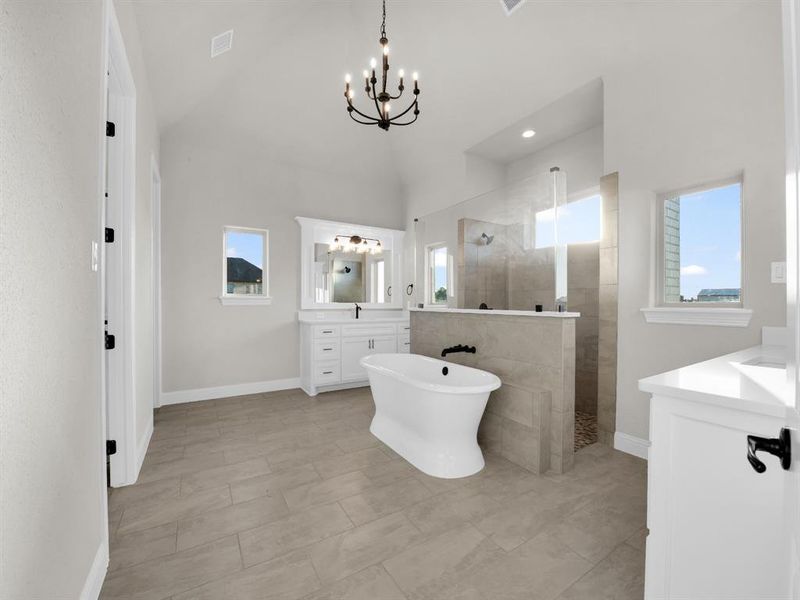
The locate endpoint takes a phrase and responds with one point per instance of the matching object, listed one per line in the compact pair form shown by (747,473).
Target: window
(378,278)
(245,268)
(438,274)
(701,246)
(578,223)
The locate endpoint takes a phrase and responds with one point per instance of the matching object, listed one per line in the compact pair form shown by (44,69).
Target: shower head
(487,239)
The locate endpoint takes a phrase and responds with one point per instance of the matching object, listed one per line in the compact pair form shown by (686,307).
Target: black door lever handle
(780,447)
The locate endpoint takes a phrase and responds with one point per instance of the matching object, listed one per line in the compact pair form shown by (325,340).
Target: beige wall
(51,450)
(147,149)
(213,181)
(698,114)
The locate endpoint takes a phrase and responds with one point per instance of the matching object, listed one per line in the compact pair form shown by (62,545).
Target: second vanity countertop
(500,312)
(753,380)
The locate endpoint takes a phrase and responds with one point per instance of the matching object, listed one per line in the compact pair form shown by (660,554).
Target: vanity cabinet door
(353,350)
(386,344)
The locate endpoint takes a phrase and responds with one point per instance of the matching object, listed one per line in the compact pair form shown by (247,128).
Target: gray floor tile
(347,553)
(297,531)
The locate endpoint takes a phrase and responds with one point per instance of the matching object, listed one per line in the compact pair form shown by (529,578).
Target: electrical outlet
(778,272)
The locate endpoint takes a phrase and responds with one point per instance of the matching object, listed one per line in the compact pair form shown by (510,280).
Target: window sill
(244,300)
(720,317)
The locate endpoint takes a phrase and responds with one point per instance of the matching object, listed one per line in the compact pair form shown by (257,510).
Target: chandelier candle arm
(382,98)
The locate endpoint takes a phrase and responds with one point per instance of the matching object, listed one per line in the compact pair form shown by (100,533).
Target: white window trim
(429,272)
(227,299)
(692,315)
(721,314)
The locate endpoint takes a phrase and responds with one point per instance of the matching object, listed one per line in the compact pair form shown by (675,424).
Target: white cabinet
(330,353)
(353,350)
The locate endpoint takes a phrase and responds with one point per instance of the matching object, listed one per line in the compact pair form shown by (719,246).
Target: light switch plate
(778,272)
(95,256)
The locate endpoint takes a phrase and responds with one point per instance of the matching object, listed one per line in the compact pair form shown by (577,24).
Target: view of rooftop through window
(578,222)
(244,252)
(703,245)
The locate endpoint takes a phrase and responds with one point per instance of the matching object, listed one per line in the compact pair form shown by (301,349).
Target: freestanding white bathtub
(428,411)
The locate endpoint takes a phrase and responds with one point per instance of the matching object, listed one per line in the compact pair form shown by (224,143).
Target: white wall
(699,113)
(579,156)
(147,146)
(51,449)
(213,180)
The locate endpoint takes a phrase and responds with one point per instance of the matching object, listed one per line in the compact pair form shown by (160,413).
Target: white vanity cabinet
(330,352)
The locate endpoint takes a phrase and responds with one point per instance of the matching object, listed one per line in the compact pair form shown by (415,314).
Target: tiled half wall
(530,419)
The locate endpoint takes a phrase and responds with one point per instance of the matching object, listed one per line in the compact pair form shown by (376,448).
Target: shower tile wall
(504,274)
(481,264)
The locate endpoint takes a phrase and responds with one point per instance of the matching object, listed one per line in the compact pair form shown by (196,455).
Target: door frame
(120,417)
(155,215)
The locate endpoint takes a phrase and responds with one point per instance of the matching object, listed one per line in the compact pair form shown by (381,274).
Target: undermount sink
(768,362)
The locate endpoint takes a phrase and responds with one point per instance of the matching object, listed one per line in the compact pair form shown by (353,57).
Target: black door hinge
(111,341)
(109,235)
(111,447)
(111,129)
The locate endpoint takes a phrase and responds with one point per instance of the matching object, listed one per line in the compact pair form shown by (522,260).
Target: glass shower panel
(502,248)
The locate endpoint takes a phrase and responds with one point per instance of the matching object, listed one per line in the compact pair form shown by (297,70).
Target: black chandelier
(380,96)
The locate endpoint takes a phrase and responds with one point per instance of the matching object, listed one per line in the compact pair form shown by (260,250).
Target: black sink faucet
(358,309)
(459,348)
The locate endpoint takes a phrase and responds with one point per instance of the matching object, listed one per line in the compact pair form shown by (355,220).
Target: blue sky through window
(249,246)
(579,222)
(711,239)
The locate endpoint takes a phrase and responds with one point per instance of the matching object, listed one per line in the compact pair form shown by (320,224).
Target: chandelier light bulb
(366,74)
(347,78)
(387,107)
(373,63)
(386,50)
(350,94)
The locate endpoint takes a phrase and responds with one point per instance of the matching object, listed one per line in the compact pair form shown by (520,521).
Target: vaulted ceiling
(281,85)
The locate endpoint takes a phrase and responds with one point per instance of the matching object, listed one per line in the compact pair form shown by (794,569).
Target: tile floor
(287,497)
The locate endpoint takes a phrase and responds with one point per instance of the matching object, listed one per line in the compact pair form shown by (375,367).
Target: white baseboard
(97,574)
(632,445)
(227,391)
(141,449)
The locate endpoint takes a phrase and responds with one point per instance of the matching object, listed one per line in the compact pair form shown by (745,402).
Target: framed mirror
(345,263)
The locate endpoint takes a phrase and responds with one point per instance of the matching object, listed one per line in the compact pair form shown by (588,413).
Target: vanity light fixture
(379,95)
(528,133)
(356,243)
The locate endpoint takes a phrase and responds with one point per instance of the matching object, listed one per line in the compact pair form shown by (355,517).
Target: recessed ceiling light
(528,133)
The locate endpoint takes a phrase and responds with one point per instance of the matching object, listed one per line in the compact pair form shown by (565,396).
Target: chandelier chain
(383,24)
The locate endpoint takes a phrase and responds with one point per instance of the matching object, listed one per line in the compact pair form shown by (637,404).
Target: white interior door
(118,261)
(791,63)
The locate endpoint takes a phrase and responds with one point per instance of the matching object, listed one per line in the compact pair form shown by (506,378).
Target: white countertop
(492,311)
(730,381)
(338,318)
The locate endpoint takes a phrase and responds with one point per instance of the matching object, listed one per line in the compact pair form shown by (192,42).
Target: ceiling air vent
(511,5)
(221,43)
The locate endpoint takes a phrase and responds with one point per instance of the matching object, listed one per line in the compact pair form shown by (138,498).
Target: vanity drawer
(327,372)
(326,331)
(375,330)
(326,350)
(404,329)
(404,343)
